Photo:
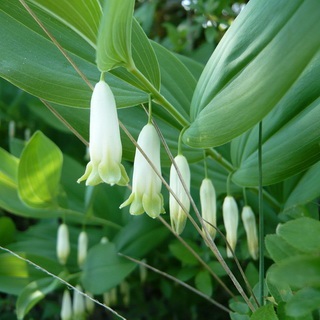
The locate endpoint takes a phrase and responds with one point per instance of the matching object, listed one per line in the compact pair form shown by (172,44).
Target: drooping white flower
(208,206)
(78,303)
(63,243)
(105,146)
(230,219)
(178,216)
(146,185)
(89,303)
(249,222)
(66,306)
(82,247)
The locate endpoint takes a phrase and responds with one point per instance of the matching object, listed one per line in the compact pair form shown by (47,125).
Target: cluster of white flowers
(105,166)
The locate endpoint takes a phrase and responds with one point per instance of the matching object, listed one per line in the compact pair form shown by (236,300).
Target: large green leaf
(104,263)
(39,172)
(42,70)
(252,69)
(81,16)
(306,189)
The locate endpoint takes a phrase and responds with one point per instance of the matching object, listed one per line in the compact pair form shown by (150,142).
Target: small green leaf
(279,291)
(114,39)
(203,282)
(39,172)
(7,230)
(182,253)
(298,272)
(278,248)
(306,189)
(104,269)
(303,302)
(303,234)
(265,313)
(33,293)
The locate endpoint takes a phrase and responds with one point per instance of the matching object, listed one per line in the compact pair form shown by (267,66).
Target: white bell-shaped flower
(105,146)
(79,306)
(249,222)
(82,247)
(208,206)
(178,216)
(230,219)
(146,184)
(66,306)
(63,243)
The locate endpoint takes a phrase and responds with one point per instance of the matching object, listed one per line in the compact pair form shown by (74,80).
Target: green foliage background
(276,80)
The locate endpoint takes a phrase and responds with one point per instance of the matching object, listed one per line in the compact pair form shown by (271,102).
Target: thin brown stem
(166,275)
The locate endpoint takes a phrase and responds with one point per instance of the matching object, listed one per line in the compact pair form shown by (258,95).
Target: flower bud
(82,247)
(249,222)
(63,244)
(146,184)
(66,306)
(89,303)
(110,297)
(78,303)
(208,206)
(230,219)
(177,215)
(125,291)
(105,146)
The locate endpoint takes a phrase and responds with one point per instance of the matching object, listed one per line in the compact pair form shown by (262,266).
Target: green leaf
(7,231)
(264,313)
(114,39)
(203,282)
(302,234)
(14,274)
(253,68)
(33,293)
(278,248)
(81,16)
(144,59)
(303,302)
(39,172)
(104,269)
(8,167)
(298,272)
(282,314)
(279,291)
(139,236)
(306,189)
(182,253)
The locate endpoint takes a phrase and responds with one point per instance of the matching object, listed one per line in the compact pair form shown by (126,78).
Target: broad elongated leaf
(306,189)
(33,293)
(39,172)
(104,263)
(144,59)
(58,83)
(81,16)
(8,168)
(252,69)
(114,39)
